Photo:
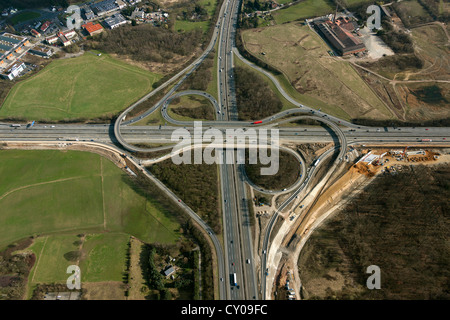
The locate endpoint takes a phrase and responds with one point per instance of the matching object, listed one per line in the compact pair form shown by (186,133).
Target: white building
(115,21)
(14,71)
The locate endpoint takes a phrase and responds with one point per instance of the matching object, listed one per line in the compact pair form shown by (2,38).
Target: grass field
(302,10)
(412,12)
(182,25)
(350,3)
(24,16)
(51,266)
(44,192)
(104,257)
(84,87)
(192,107)
(319,80)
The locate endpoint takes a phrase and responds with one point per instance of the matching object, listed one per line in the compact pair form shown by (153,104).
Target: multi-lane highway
(237,233)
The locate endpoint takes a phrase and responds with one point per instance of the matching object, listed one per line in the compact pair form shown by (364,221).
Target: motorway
(236,220)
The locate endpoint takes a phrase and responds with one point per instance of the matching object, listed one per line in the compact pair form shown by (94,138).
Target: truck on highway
(16,125)
(426,140)
(316,163)
(257,122)
(233,279)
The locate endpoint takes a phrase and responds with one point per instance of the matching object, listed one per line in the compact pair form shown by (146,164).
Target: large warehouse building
(339,35)
(11,47)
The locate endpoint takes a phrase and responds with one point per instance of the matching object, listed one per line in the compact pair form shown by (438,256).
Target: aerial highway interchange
(236,254)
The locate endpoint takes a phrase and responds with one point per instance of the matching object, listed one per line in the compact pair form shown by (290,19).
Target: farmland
(24,16)
(399,223)
(85,87)
(62,191)
(319,80)
(101,258)
(302,10)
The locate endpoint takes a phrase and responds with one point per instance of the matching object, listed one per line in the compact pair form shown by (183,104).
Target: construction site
(355,177)
(391,160)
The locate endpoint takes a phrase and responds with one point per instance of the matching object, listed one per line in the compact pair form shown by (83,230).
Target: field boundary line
(103,193)
(39,259)
(39,184)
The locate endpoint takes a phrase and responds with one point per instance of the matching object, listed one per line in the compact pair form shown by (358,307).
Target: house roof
(91,27)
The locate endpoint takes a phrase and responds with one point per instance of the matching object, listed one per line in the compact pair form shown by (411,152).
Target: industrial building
(11,47)
(42,51)
(10,44)
(115,21)
(35,33)
(45,26)
(51,40)
(13,71)
(64,41)
(104,7)
(92,28)
(138,14)
(338,33)
(88,13)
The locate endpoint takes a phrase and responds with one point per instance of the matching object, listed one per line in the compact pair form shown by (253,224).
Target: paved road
(238,239)
(342,147)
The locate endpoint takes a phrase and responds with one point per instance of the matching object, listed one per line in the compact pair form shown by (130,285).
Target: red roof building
(45,26)
(35,33)
(92,28)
